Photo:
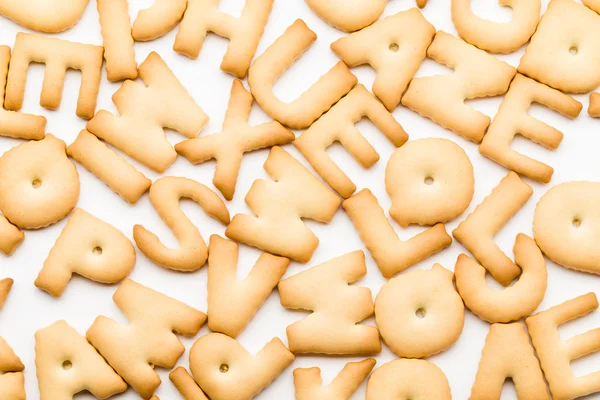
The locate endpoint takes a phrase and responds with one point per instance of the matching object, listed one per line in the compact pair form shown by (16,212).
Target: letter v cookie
(12,380)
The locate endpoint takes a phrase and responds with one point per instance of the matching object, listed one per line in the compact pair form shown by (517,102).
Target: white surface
(29,309)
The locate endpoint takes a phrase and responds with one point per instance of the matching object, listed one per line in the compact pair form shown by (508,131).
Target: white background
(29,308)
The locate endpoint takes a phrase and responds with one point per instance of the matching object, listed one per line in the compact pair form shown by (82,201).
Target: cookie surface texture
(117,41)
(337,125)
(12,380)
(226,371)
(303,111)
(186,385)
(442,97)
(337,308)
(50,16)
(347,15)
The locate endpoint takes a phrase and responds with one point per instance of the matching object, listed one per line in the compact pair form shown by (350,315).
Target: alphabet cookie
(390,253)
(10,236)
(117,40)
(347,15)
(164,195)
(89,247)
(67,364)
(51,16)
(144,112)
(280,205)
(442,97)
(158,19)
(232,303)
(594,109)
(5,286)
(428,189)
(497,37)
(477,232)
(12,380)
(555,355)
(309,385)
(39,185)
(237,138)
(337,125)
(185,384)
(149,340)
(58,56)
(512,119)
(337,308)
(304,110)
(226,371)
(395,47)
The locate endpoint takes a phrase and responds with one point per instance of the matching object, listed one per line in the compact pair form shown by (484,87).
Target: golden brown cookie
(594,109)
(348,15)
(51,16)
(5,286)
(10,236)
(185,384)
(12,380)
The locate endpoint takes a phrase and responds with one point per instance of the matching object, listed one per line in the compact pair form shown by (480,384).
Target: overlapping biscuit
(5,286)
(185,384)
(10,236)
(117,40)
(337,125)
(337,308)
(12,380)
(303,111)
(347,15)
(158,19)
(51,16)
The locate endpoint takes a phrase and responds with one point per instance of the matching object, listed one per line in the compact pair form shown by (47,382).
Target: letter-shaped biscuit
(348,15)
(109,167)
(594,109)
(442,97)
(390,253)
(67,364)
(566,225)
(50,16)
(226,371)
(237,137)
(185,384)
(394,47)
(89,247)
(477,232)
(309,384)
(508,354)
(12,380)
(13,124)
(158,19)
(426,190)
(337,308)
(165,194)
(58,55)
(145,111)
(39,185)
(556,355)
(419,313)
(5,286)
(512,119)
(564,52)
(311,104)
(117,40)
(511,303)
(133,350)
(337,125)
(232,302)
(497,37)
(408,379)
(244,33)
(280,205)
(10,236)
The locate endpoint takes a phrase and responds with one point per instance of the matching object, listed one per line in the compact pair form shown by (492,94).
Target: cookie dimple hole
(394,47)
(36,183)
(429,180)
(573,50)
(97,251)
(576,222)
(224,368)
(420,313)
(67,365)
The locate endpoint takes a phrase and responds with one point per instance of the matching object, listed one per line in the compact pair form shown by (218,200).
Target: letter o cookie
(429,181)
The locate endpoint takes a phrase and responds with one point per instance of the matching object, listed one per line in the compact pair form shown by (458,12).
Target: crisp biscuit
(309,384)
(347,15)
(10,237)
(89,247)
(149,340)
(422,3)
(13,124)
(512,119)
(477,232)
(145,111)
(337,308)
(5,286)
(58,55)
(109,167)
(408,379)
(555,355)
(164,195)
(507,353)
(236,138)
(158,19)
(594,108)
(564,51)
(337,125)
(419,313)
(280,205)
(12,380)
(303,111)
(497,37)
(566,225)
(395,47)
(232,303)
(224,370)
(67,364)
(39,185)
(509,304)
(391,254)
(50,16)
(185,384)
(442,97)
(428,189)
(117,40)
(244,32)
